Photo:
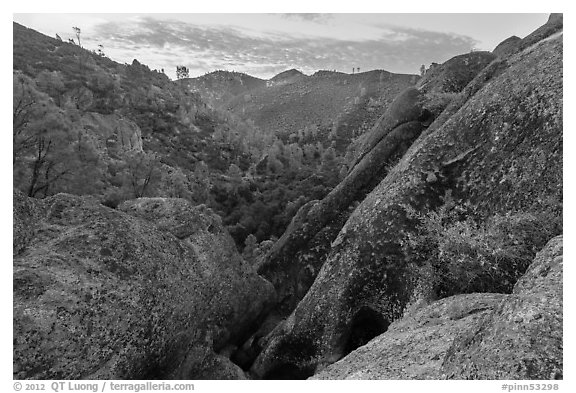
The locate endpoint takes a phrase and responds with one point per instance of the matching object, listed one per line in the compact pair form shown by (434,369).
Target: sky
(263,45)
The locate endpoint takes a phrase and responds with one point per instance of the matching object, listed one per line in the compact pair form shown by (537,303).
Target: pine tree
(182,72)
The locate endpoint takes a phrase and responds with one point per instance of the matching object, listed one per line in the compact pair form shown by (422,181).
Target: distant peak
(291,73)
(327,73)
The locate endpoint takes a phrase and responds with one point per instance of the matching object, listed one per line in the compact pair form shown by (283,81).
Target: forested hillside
(86,125)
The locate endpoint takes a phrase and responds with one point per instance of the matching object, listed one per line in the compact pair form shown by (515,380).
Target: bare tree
(77,31)
(142,171)
(24,105)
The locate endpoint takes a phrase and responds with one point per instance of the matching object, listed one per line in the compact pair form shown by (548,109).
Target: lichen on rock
(100,294)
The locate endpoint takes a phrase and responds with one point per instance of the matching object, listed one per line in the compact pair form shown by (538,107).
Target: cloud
(165,44)
(311,17)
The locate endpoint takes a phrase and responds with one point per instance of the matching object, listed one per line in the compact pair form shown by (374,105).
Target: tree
(141,173)
(51,83)
(47,164)
(235,177)
(422,70)
(25,108)
(77,31)
(176,184)
(42,140)
(182,72)
(200,183)
(250,245)
(100,51)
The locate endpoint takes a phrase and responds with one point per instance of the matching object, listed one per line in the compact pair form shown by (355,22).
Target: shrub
(452,252)
(436,102)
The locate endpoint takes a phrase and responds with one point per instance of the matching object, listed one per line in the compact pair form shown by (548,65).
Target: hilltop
(218,87)
(287,76)
(338,107)
(341,106)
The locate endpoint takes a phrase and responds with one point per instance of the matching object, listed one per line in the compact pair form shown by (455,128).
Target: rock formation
(506,47)
(114,133)
(523,337)
(295,260)
(101,294)
(497,146)
(475,336)
(415,346)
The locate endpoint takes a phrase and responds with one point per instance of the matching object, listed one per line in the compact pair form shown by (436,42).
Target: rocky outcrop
(513,44)
(415,346)
(497,146)
(401,124)
(453,75)
(114,134)
(285,77)
(202,363)
(508,46)
(101,294)
(475,336)
(303,247)
(25,213)
(522,338)
(552,27)
(295,260)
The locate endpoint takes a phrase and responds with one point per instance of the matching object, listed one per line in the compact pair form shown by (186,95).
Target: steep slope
(507,46)
(493,155)
(108,108)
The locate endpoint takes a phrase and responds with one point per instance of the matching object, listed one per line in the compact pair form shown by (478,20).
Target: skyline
(263,45)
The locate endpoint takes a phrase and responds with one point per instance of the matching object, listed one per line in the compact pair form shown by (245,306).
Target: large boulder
(497,148)
(101,294)
(523,337)
(25,216)
(453,75)
(475,336)
(508,46)
(415,346)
